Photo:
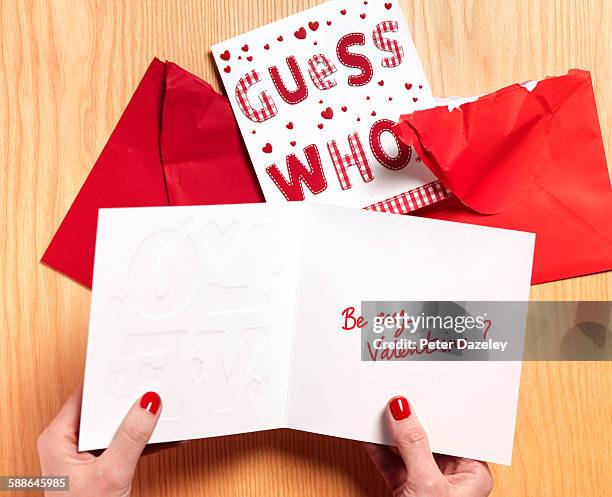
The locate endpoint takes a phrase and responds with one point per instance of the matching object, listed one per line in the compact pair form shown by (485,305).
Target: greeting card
(233,314)
(316,95)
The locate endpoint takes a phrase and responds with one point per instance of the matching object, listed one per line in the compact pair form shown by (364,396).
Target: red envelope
(176,143)
(525,160)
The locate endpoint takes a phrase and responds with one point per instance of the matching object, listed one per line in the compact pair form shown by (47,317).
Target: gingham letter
(320,69)
(387,45)
(404,153)
(266,111)
(357,158)
(301,90)
(313,176)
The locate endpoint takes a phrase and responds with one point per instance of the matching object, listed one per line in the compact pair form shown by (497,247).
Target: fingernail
(400,409)
(150,401)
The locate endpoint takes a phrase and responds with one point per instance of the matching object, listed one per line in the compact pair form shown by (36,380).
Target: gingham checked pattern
(258,115)
(357,157)
(320,68)
(412,200)
(387,45)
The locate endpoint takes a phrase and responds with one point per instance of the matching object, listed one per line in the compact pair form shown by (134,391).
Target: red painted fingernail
(400,409)
(150,401)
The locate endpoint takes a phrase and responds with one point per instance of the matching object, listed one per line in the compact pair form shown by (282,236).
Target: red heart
(327,113)
(363,16)
(414,99)
(240,57)
(329,23)
(267,149)
(227,69)
(320,126)
(320,101)
(253,131)
(359,119)
(289,125)
(313,25)
(245,48)
(343,108)
(280,38)
(390,98)
(373,112)
(300,34)
(292,143)
(250,58)
(368,97)
(225,55)
(388,6)
(408,86)
(381,83)
(420,87)
(266,47)
(343,12)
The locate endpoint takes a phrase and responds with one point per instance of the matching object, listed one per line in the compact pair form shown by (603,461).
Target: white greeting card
(315,96)
(233,315)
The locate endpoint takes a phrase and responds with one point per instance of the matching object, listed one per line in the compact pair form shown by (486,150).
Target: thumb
(133,434)
(422,472)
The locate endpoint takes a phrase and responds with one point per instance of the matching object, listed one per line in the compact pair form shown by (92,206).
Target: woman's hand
(416,472)
(110,474)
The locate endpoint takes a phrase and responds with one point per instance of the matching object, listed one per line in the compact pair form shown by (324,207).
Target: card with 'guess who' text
(316,95)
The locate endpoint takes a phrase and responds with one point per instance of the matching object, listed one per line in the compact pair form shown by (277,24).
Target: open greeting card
(233,314)
(315,96)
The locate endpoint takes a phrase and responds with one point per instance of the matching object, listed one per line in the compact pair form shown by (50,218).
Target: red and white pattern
(357,157)
(320,68)
(268,109)
(412,200)
(387,45)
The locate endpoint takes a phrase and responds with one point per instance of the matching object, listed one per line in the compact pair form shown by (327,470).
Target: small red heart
(373,113)
(240,57)
(253,131)
(414,99)
(343,108)
(245,48)
(329,23)
(390,98)
(250,58)
(343,12)
(320,101)
(408,86)
(363,16)
(280,38)
(327,113)
(225,55)
(227,69)
(358,119)
(292,143)
(313,25)
(289,125)
(315,43)
(388,6)
(320,126)
(300,34)
(368,97)
(266,46)
(420,87)
(365,3)
(381,83)
(267,149)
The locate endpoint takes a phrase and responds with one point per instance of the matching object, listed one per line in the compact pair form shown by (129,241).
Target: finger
(134,433)
(66,424)
(62,433)
(412,444)
(389,464)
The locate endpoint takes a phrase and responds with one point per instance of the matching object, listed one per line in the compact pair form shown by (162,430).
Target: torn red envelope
(525,160)
(167,149)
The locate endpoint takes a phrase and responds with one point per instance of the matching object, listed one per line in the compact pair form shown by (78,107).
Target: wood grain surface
(69,67)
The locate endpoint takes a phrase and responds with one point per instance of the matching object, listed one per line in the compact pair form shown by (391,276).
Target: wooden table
(68,68)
